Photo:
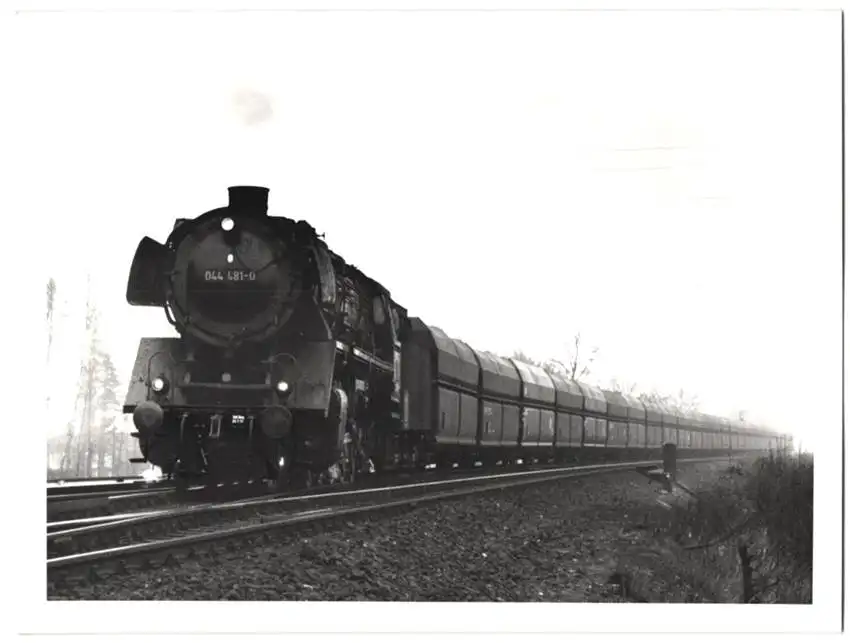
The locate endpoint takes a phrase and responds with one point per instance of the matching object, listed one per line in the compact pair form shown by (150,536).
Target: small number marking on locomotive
(230,275)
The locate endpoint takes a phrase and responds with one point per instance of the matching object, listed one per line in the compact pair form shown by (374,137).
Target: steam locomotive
(294,366)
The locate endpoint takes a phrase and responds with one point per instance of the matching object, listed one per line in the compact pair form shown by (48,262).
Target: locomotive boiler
(287,356)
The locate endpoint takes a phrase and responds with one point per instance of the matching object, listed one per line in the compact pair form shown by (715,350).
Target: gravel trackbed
(568,541)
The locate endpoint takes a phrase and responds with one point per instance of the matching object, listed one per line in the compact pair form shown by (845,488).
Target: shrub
(782,491)
(747,537)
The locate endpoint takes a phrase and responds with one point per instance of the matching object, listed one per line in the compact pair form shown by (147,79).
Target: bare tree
(554,367)
(90,389)
(51,304)
(107,407)
(579,360)
(95,446)
(65,462)
(681,402)
(686,402)
(93,442)
(86,395)
(519,356)
(550,366)
(621,387)
(654,397)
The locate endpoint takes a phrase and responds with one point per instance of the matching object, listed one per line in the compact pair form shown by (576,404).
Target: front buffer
(249,416)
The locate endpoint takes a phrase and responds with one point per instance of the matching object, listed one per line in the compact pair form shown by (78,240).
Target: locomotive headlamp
(159,384)
(282,387)
(227,224)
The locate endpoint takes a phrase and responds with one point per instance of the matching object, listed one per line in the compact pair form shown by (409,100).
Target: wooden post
(668,452)
(746,572)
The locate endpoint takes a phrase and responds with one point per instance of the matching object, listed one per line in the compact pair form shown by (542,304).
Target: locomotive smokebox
(248,199)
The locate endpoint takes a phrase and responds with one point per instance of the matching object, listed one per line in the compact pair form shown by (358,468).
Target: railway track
(111,545)
(83,504)
(84,485)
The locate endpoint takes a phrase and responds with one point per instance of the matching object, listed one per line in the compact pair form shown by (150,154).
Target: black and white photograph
(428,318)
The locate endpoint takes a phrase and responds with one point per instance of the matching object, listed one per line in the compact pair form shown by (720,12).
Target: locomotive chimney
(249,199)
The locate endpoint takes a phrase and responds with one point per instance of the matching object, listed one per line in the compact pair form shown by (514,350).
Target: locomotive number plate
(230,275)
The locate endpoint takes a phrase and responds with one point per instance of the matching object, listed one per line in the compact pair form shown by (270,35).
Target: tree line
(578,365)
(96,441)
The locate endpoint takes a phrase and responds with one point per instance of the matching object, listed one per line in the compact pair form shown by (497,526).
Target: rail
(81,548)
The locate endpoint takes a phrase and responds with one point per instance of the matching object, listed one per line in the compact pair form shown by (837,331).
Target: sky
(668,184)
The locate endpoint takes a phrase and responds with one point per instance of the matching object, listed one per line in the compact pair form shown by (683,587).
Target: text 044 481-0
(230,275)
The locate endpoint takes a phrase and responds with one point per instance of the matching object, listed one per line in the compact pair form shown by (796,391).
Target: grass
(746,537)
(782,489)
